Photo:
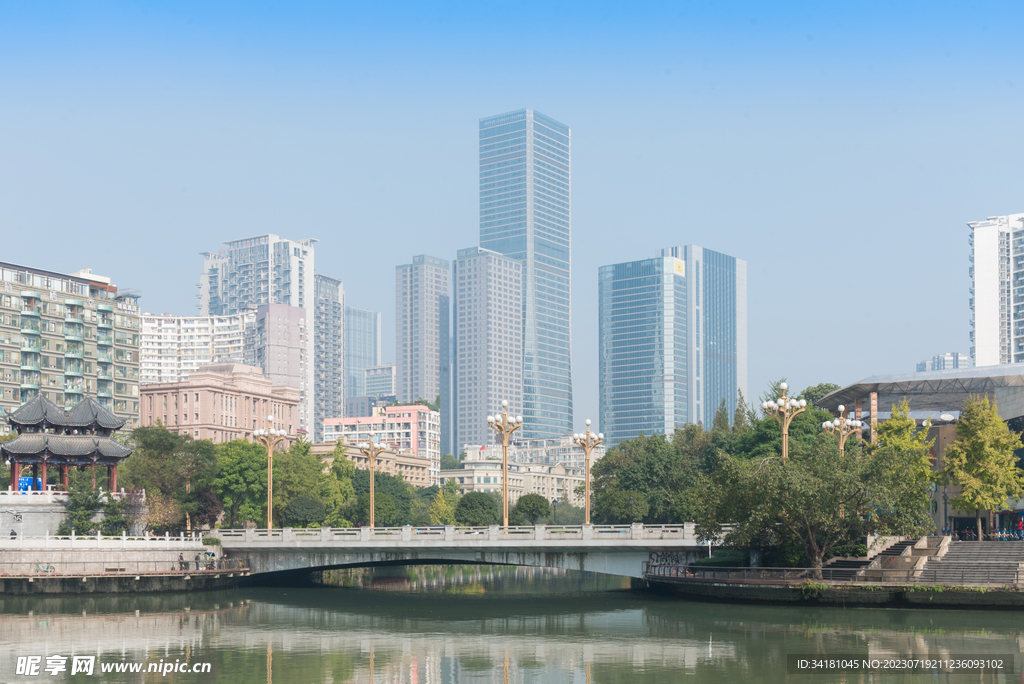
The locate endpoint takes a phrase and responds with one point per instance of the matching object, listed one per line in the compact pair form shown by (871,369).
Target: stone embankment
(930,572)
(98,564)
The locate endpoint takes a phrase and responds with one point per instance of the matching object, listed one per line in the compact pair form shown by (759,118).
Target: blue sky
(839,150)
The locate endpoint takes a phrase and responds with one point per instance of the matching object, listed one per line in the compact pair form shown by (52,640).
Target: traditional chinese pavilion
(49,437)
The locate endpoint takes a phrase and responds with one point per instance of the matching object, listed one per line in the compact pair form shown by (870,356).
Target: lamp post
(270,438)
(504,426)
(784,409)
(842,427)
(587,441)
(371,451)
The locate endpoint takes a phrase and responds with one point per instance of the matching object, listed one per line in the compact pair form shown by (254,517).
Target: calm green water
(449,625)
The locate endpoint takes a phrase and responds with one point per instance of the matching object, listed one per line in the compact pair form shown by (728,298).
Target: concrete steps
(984,562)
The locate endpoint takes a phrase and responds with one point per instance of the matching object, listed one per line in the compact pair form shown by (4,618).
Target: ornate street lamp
(270,439)
(842,427)
(371,451)
(504,426)
(784,409)
(587,441)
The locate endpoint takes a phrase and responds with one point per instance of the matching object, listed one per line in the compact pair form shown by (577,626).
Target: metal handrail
(975,575)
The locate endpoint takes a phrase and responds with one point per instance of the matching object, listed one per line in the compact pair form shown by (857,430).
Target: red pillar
(65,476)
(44,476)
(35,476)
(112,477)
(94,474)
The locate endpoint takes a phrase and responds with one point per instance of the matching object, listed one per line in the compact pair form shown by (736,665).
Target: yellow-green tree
(900,432)
(982,460)
(442,509)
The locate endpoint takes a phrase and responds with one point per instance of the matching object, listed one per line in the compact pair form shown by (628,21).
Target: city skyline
(801,141)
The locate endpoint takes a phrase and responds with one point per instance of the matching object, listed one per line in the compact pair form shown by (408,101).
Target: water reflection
(442,625)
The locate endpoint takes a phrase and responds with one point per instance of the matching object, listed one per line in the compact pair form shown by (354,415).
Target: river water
(460,624)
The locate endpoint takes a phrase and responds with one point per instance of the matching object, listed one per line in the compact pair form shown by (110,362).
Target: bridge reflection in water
(536,624)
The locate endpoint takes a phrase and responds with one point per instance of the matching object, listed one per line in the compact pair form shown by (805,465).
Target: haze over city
(840,152)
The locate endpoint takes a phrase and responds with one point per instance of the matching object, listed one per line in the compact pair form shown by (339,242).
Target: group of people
(1015,532)
(207,560)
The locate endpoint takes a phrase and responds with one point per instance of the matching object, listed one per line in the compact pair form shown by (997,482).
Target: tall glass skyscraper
(672,340)
(525,213)
(362,348)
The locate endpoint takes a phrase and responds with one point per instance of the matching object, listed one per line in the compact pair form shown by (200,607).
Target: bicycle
(45,567)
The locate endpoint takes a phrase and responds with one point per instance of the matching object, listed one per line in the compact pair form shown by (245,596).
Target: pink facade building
(410,430)
(221,402)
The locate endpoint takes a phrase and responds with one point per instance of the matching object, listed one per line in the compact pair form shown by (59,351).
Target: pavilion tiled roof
(64,445)
(86,413)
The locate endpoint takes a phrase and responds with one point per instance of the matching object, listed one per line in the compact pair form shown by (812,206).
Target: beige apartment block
(553,482)
(222,402)
(414,469)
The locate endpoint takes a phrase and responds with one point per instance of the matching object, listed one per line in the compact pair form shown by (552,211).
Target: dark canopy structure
(50,436)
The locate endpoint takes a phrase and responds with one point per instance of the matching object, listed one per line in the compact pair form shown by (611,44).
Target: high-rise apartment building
(421,327)
(251,272)
(672,340)
(997,290)
(525,213)
(67,337)
(171,347)
(488,334)
(362,348)
(947,361)
(278,343)
(328,352)
(381,381)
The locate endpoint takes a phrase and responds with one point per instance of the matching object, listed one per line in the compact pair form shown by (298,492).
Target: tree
(82,506)
(817,392)
(449,462)
(741,418)
(297,472)
(114,521)
(982,461)
(477,509)
(394,486)
(442,509)
(384,511)
(241,481)
(621,507)
(209,508)
(900,432)
(532,507)
(721,420)
(303,511)
(768,501)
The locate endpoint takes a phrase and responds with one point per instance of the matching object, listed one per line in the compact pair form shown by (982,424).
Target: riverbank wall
(839,594)
(121,584)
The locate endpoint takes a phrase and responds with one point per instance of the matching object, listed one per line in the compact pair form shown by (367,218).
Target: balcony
(29,327)
(103,375)
(73,318)
(30,365)
(72,389)
(31,346)
(72,335)
(104,340)
(72,371)
(73,352)
(104,357)
(104,322)
(30,311)
(104,392)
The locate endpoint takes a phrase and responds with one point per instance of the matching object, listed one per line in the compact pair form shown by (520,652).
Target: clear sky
(839,148)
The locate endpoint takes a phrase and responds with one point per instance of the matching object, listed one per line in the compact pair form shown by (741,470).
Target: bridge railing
(449,533)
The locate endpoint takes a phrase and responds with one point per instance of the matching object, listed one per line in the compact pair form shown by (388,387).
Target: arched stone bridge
(614,549)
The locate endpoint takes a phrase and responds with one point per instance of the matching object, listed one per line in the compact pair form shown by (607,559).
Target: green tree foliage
(532,507)
(900,432)
(241,482)
(815,393)
(741,417)
(84,503)
(765,436)
(385,512)
(768,501)
(982,461)
(114,521)
(449,462)
(299,472)
(622,506)
(721,420)
(303,511)
(174,467)
(395,487)
(477,509)
(442,508)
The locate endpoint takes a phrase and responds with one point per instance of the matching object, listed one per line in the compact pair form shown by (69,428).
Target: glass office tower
(525,213)
(672,341)
(362,348)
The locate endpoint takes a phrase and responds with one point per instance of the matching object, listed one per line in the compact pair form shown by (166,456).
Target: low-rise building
(411,429)
(413,469)
(222,402)
(554,482)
